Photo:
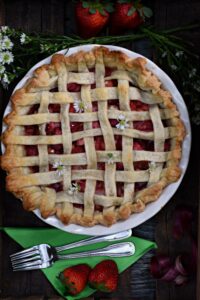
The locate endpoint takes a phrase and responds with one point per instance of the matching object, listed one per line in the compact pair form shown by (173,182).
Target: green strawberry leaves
(147,12)
(131,11)
(101,6)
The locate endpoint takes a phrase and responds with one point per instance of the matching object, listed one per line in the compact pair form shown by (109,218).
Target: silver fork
(29,253)
(41,258)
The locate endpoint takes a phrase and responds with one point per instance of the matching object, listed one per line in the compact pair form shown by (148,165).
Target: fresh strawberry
(75,278)
(128,14)
(92,16)
(104,276)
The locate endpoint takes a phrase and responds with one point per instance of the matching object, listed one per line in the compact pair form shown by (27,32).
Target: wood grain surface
(136,283)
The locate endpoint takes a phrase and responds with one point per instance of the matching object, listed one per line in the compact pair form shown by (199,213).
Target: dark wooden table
(135,283)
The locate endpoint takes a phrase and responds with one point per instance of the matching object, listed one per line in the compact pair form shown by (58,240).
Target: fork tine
(23,255)
(29,264)
(27,268)
(17,262)
(24,251)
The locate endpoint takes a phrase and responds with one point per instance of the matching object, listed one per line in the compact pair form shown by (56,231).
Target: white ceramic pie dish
(152,208)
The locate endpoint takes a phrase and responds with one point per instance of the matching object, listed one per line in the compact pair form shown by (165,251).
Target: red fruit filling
(143,145)
(100,188)
(33,109)
(140,186)
(141,165)
(77,149)
(137,105)
(167,145)
(111,83)
(143,125)
(118,142)
(55,149)
(71,108)
(113,122)
(120,189)
(34,169)
(31,130)
(31,150)
(95,106)
(53,128)
(76,126)
(54,108)
(101,166)
(73,87)
(99,143)
(54,90)
(96,124)
(119,166)
(58,187)
(113,104)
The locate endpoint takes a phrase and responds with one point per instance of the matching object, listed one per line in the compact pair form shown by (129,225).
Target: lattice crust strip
(133,82)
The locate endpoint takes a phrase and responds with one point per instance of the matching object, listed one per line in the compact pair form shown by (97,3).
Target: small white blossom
(6,43)
(110,158)
(4,29)
(2,69)
(123,122)
(79,106)
(44,47)
(179,53)
(174,67)
(6,57)
(23,38)
(74,188)
(164,54)
(60,168)
(192,73)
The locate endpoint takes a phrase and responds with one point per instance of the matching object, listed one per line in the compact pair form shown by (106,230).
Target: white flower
(123,122)
(110,158)
(6,57)
(79,106)
(4,29)
(2,69)
(74,188)
(60,168)
(193,73)
(179,53)
(23,38)
(5,79)
(6,43)
(174,67)
(164,54)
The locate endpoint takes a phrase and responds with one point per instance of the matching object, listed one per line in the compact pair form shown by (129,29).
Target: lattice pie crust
(92,137)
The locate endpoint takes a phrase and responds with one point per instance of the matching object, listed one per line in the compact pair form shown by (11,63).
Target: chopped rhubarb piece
(143,125)
(119,166)
(73,87)
(137,105)
(53,128)
(140,186)
(55,149)
(58,187)
(77,149)
(71,108)
(100,188)
(141,165)
(98,207)
(54,108)
(31,130)
(76,126)
(113,122)
(167,145)
(96,124)
(34,169)
(120,189)
(111,83)
(118,142)
(139,145)
(95,106)
(31,150)
(101,166)
(99,143)
(80,142)
(33,109)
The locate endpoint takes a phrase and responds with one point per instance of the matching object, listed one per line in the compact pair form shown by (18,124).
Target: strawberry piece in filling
(76,126)
(53,128)
(58,187)
(100,188)
(141,165)
(137,105)
(31,130)
(33,109)
(73,87)
(55,149)
(143,125)
(140,186)
(118,142)
(120,189)
(167,145)
(31,150)
(54,108)
(77,149)
(99,143)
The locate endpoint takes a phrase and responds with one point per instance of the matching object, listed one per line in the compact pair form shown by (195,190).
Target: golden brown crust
(44,77)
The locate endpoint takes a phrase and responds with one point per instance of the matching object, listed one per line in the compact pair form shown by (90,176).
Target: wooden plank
(53,16)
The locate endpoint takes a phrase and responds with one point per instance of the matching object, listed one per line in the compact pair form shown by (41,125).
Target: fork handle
(116,250)
(93,240)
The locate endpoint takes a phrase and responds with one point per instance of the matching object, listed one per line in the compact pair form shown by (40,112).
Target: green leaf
(85,4)
(92,11)
(131,11)
(123,1)
(102,12)
(147,12)
(109,7)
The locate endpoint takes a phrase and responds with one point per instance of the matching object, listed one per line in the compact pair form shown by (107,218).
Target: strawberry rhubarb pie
(92,138)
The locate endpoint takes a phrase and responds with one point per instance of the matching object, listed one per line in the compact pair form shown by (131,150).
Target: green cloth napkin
(28,237)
